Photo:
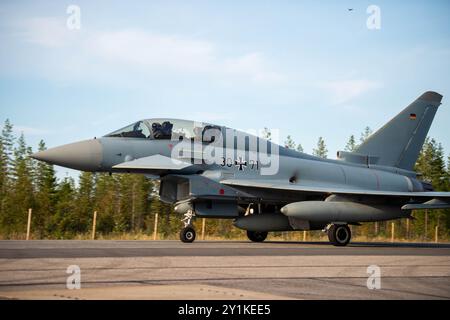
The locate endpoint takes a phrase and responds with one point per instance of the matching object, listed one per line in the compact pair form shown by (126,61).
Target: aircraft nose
(84,155)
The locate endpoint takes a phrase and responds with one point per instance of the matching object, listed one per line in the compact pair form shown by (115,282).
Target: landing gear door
(173,189)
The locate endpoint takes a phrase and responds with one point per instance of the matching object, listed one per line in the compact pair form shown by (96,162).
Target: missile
(342,211)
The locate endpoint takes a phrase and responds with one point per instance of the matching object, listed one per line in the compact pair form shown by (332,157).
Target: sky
(305,68)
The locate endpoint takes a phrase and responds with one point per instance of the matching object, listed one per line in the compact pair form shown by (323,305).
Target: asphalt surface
(99,249)
(222,270)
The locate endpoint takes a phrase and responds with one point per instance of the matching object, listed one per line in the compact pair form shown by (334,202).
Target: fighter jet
(212,171)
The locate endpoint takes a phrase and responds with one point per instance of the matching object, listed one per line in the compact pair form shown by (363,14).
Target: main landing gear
(256,236)
(339,234)
(187,234)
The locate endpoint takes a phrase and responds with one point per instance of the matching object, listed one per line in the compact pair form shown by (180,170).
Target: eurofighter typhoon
(212,171)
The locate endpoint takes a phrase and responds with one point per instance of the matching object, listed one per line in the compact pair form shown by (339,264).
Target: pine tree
(106,199)
(143,201)
(365,135)
(22,196)
(45,193)
(431,167)
(8,141)
(321,149)
(289,143)
(438,165)
(431,163)
(351,144)
(6,162)
(85,202)
(122,202)
(125,217)
(64,219)
(3,176)
(448,173)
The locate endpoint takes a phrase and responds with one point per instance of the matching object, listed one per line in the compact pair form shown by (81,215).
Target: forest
(126,204)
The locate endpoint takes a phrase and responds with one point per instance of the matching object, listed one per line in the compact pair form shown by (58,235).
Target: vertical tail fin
(398,142)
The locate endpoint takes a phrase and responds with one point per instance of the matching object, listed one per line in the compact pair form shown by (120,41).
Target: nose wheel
(187,234)
(339,234)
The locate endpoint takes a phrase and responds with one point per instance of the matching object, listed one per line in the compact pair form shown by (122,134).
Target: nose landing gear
(187,234)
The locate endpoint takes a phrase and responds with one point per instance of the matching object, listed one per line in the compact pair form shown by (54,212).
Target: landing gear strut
(187,234)
(257,236)
(339,234)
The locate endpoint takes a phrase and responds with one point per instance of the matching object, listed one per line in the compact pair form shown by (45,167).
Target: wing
(413,200)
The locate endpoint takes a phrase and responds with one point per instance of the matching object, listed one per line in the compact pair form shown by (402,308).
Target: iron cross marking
(240,163)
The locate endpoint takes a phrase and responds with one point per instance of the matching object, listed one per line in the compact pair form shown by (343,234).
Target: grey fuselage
(201,186)
(304,168)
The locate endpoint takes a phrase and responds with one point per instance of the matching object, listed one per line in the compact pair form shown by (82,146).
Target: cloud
(348,90)
(178,53)
(141,50)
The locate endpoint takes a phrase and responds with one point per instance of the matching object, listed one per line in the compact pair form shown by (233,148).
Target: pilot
(167,129)
(156,130)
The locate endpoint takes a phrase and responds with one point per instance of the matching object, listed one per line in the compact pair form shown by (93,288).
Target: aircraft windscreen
(173,129)
(135,130)
(190,130)
(185,130)
(163,129)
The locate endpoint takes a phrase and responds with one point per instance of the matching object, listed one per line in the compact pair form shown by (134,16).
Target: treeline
(127,203)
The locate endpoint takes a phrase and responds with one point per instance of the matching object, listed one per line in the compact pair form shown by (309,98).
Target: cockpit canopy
(169,129)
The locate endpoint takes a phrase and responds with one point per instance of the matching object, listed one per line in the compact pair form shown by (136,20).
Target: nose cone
(83,155)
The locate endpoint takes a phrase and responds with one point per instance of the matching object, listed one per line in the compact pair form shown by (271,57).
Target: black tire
(187,235)
(339,235)
(256,236)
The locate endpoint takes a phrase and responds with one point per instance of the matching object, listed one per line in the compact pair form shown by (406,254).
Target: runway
(222,270)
